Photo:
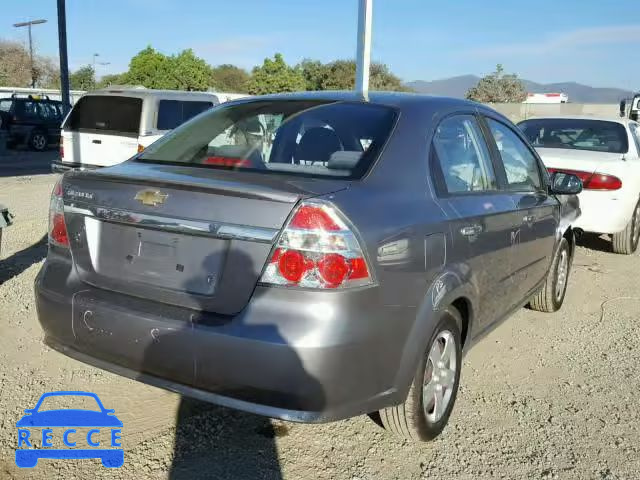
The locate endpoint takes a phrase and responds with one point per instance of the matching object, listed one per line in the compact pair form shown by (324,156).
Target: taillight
(227,162)
(57,228)
(593,181)
(317,249)
(600,181)
(61,148)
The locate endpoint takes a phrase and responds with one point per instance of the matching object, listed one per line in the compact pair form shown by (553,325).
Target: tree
(148,68)
(185,71)
(313,72)
(111,79)
(275,76)
(153,69)
(83,79)
(341,75)
(229,78)
(15,67)
(498,87)
(47,73)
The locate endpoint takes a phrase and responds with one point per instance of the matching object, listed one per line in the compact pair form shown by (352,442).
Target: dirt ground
(543,396)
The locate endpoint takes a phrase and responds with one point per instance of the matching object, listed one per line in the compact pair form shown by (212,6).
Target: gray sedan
(309,257)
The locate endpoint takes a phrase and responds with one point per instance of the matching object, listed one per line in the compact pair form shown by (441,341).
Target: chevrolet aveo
(308,257)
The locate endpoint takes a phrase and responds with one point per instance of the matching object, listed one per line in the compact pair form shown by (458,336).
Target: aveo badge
(47,431)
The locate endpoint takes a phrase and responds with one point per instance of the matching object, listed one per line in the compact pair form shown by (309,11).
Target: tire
(38,141)
(550,297)
(410,419)
(626,241)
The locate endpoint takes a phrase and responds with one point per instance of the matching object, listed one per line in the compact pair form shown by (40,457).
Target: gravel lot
(543,396)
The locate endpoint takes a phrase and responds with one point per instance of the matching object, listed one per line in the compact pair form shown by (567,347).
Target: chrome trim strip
(228,231)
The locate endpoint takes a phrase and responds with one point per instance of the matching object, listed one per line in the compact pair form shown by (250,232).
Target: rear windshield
(172,113)
(106,114)
(338,139)
(578,134)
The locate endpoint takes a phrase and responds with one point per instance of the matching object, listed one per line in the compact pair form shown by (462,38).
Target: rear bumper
(332,356)
(605,212)
(58,166)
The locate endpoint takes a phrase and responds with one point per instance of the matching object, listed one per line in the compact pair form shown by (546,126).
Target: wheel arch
(450,288)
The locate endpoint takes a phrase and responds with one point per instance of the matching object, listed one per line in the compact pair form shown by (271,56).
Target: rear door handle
(97,141)
(528,219)
(471,230)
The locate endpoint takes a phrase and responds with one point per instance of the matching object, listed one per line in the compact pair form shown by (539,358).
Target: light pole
(363,55)
(64,64)
(28,25)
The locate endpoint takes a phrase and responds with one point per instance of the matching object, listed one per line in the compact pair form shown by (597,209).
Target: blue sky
(588,41)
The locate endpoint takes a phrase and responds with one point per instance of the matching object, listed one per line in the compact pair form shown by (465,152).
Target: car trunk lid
(580,160)
(193,237)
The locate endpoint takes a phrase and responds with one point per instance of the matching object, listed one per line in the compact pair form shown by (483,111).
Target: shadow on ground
(593,241)
(21,162)
(219,443)
(17,263)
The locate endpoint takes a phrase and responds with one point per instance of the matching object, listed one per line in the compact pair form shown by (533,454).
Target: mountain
(578,93)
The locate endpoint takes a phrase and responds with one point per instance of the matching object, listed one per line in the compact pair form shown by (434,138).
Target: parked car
(109,126)
(32,120)
(605,154)
(336,264)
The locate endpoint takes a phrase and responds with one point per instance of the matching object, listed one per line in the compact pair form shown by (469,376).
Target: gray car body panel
(299,354)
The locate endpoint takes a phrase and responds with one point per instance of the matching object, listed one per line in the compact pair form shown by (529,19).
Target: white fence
(52,93)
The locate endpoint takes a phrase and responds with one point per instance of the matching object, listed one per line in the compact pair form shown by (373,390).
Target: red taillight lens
(600,181)
(59,230)
(292,264)
(57,227)
(61,148)
(593,181)
(313,218)
(317,249)
(333,269)
(227,162)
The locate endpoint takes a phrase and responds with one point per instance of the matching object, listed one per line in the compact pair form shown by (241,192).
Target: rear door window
(5,105)
(172,113)
(635,134)
(461,157)
(520,165)
(27,110)
(108,114)
(306,137)
(576,134)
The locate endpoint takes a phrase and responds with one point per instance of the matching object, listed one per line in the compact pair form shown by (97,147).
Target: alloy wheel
(439,376)
(635,227)
(562,274)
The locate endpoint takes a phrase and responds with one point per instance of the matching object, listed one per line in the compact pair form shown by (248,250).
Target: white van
(109,126)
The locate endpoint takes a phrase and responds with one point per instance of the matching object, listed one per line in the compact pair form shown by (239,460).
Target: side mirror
(565,184)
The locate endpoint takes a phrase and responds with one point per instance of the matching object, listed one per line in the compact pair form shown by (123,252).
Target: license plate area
(168,260)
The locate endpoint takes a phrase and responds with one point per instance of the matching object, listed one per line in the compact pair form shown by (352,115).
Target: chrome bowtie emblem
(151,198)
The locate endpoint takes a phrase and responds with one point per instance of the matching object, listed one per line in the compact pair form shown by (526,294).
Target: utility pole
(28,25)
(363,55)
(64,64)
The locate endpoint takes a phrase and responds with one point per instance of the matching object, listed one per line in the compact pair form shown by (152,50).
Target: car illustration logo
(151,198)
(42,431)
